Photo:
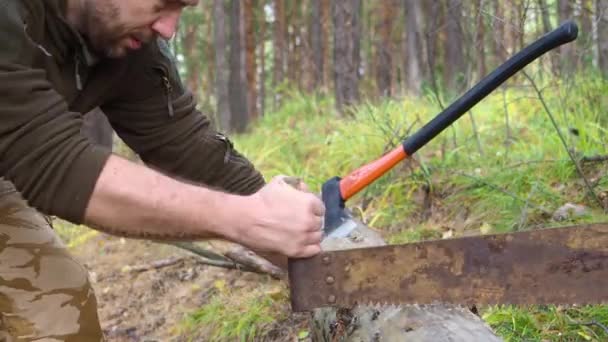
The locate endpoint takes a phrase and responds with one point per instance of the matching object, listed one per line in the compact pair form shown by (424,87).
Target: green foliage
(549,323)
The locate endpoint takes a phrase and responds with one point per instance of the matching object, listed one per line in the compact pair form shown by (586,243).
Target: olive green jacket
(48,80)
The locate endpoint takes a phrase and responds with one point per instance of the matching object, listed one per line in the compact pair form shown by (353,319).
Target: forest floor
(152,304)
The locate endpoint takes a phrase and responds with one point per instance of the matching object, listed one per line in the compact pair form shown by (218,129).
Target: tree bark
(567,51)
(414,45)
(262,75)
(239,102)
(221,70)
(346,52)
(251,65)
(480,39)
(384,60)
(499,48)
(454,54)
(326,24)
(316,43)
(546,18)
(280,48)
(432,323)
(602,35)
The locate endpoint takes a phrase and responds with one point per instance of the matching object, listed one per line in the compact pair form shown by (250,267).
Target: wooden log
(416,323)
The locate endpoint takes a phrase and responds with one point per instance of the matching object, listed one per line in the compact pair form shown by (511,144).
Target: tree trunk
(239,104)
(414,45)
(602,35)
(454,54)
(346,52)
(221,70)
(434,15)
(291,18)
(546,18)
(480,39)
(567,52)
(585,42)
(326,23)
(433,323)
(384,60)
(498,39)
(280,48)
(307,64)
(190,49)
(251,65)
(262,75)
(316,43)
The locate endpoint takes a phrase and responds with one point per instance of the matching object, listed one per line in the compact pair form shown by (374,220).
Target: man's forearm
(134,201)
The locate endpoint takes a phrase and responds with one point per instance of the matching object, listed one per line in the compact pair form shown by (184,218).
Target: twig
(594,322)
(590,323)
(528,162)
(230,261)
(156,265)
(507,125)
(524,210)
(253,261)
(475,132)
(563,140)
(191,247)
(594,159)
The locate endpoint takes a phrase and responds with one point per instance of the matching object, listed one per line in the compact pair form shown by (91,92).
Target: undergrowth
(512,174)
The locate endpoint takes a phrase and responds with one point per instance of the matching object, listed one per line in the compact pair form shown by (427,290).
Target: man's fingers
(317,207)
(316,224)
(314,238)
(308,251)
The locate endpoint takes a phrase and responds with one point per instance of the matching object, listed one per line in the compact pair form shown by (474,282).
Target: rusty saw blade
(567,265)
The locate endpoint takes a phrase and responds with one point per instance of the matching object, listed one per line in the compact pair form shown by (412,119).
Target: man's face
(114,27)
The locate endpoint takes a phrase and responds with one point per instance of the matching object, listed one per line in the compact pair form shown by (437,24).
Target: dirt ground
(148,305)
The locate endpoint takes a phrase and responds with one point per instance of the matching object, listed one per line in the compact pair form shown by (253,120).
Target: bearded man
(62,58)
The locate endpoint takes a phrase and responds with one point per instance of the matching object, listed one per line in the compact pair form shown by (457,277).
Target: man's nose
(166,25)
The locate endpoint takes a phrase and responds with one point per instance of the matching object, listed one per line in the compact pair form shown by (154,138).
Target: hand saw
(560,265)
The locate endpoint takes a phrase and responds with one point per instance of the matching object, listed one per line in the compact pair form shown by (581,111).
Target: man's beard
(104,33)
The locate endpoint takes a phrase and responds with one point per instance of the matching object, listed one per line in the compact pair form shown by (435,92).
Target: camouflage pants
(45,294)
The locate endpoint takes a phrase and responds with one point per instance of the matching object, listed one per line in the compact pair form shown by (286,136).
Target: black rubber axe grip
(565,33)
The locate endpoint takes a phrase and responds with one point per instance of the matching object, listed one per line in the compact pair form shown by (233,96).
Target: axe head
(337,222)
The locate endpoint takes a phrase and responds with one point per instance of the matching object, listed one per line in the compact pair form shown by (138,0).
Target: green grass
(235,315)
(550,323)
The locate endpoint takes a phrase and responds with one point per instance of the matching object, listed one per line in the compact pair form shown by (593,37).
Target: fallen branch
(594,159)
(155,265)
(237,259)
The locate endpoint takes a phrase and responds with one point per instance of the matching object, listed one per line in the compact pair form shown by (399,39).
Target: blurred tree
(237,85)
(346,15)
(221,72)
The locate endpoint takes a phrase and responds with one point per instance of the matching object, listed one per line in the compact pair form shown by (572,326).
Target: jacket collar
(68,41)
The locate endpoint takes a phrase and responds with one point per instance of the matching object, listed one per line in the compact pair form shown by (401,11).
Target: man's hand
(285,220)
(135,201)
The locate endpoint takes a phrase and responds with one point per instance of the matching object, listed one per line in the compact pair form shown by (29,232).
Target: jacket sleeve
(41,149)
(157,117)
